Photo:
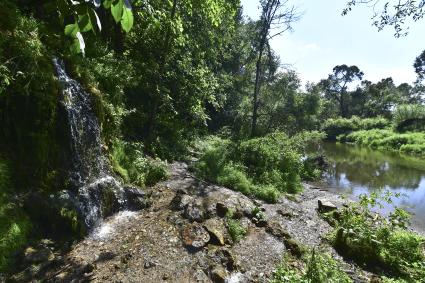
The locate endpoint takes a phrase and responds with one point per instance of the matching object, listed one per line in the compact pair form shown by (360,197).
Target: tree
(336,85)
(276,18)
(419,66)
(85,18)
(392,13)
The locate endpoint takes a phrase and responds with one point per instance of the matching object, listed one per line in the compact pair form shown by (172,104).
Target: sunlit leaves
(117,10)
(86,19)
(127,20)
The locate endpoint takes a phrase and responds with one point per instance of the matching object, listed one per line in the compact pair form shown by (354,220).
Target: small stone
(194,212)
(149,263)
(325,206)
(218,275)
(180,201)
(195,235)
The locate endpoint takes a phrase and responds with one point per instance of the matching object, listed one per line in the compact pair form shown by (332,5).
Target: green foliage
(235,228)
(315,267)
(409,117)
(14,224)
(372,239)
(408,143)
(343,126)
(129,161)
(263,167)
(86,19)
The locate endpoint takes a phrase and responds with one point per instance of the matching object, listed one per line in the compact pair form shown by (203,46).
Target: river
(356,170)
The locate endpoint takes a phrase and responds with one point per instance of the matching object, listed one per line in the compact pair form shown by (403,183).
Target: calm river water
(357,170)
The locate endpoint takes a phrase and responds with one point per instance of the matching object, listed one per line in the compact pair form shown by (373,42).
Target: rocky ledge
(184,236)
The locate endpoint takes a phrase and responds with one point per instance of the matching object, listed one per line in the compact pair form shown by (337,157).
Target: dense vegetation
(379,241)
(164,74)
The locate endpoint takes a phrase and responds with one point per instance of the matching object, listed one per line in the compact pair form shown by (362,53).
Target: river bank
(161,243)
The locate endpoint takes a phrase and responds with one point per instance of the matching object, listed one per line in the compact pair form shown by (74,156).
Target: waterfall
(98,193)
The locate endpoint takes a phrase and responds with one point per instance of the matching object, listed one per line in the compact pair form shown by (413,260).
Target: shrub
(375,240)
(343,126)
(129,162)
(409,143)
(409,117)
(14,224)
(235,228)
(315,267)
(262,167)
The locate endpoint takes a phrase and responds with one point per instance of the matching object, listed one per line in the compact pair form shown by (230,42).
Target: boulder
(135,198)
(216,229)
(195,236)
(325,206)
(218,274)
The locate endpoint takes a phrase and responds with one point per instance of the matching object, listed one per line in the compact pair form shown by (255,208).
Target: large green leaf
(117,10)
(107,3)
(127,19)
(84,23)
(71,30)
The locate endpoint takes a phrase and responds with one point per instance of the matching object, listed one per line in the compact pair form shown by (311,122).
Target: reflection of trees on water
(373,169)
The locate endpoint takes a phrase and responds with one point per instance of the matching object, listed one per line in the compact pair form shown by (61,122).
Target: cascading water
(98,194)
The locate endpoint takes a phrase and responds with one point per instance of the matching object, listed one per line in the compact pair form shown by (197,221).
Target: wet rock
(180,201)
(200,276)
(136,199)
(41,254)
(218,274)
(277,230)
(216,229)
(221,209)
(227,258)
(294,247)
(195,235)
(325,205)
(194,212)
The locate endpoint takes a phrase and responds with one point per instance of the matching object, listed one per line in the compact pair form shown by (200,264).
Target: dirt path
(152,245)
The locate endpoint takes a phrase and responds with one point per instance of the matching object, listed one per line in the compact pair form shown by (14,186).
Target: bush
(409,143)
(262,167)
(235,228)
(371,239)
(315,267)
(129,162)
(14,224)
(409,117)
(343,126)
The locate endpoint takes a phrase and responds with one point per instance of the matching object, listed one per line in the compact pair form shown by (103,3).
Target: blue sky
(322,39)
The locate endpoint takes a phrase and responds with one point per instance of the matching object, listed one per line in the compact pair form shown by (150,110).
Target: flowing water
(358,170)
(97,193)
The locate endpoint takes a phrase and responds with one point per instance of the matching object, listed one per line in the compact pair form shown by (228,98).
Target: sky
(322,39)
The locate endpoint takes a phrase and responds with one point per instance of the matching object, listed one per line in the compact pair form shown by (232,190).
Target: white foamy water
(107,228)
(234,278)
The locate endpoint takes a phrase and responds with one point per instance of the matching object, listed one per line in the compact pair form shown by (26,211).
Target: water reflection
(355,170)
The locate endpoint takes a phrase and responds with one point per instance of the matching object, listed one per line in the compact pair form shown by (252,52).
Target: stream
(355,170)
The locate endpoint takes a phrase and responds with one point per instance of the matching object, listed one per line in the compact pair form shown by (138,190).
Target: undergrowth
(14,224)
(380,242)
(129,161)
(314,267)
(408,143)
(262,167)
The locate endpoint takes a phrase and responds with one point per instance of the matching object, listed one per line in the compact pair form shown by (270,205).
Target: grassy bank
(407,143)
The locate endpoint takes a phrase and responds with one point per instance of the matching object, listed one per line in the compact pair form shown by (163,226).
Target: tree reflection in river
(354,170)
